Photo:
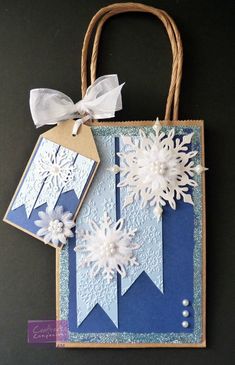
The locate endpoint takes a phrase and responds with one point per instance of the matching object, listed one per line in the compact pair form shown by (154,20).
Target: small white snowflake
(107,247)
(55,225)
(56,168)
(156,169)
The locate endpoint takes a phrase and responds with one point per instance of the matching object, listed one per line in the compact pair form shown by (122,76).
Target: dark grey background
(40,44)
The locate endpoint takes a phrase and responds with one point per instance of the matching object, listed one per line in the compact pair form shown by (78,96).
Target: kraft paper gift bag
(134,274)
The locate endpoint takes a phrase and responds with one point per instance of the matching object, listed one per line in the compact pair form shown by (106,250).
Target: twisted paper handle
(177,51)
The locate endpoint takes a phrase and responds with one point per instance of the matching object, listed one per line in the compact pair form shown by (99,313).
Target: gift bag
(134,275)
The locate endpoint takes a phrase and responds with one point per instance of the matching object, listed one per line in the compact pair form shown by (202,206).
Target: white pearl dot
(185,313)
(185,324)
(185,302)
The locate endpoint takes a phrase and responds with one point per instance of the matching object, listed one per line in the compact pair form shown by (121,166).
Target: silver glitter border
(151,338)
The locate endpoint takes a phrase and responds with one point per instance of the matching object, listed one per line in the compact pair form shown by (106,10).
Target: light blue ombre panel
(82,169)
(100,198)
(49,194)
(32,183)
(148,236)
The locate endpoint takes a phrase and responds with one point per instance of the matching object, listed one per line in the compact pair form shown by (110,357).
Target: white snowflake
(55,225)
(107,247)
(56,168)
(156,169)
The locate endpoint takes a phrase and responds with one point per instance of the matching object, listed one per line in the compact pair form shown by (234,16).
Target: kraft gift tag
(54,183)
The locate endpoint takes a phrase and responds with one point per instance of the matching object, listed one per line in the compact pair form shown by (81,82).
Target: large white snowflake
(107,247)
(157,169)
(56,168)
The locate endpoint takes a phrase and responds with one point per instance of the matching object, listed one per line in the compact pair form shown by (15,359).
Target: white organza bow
(101,101)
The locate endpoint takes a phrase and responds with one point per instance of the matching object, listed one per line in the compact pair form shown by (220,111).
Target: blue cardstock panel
(144,308)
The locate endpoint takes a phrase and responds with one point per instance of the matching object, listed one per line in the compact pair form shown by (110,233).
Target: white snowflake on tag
(55,225)
(56,168)
(156,169)
(107,247)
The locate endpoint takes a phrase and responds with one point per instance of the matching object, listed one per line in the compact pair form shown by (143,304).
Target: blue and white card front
(54,184)
(134,275)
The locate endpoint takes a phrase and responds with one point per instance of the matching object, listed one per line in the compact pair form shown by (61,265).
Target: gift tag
(64,161)
(54,184)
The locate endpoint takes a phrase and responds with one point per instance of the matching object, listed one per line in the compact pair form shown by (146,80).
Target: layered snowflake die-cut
(56,168)
(157,169)
(107,247)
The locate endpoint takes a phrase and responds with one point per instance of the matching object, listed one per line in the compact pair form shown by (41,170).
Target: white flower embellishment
(56,168)
(156,169)
(107,247)
(55,226)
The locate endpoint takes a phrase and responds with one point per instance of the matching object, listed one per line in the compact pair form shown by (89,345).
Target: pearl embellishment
(55,226)
(199,169)
(185,324)
(107,249)
(185,302)
(158,168)
(115,169)
(55,169)
(185,313)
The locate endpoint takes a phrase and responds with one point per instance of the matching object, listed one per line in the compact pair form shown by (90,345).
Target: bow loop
(101,101)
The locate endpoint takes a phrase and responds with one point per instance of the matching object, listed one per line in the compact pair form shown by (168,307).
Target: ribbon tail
(78,123)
